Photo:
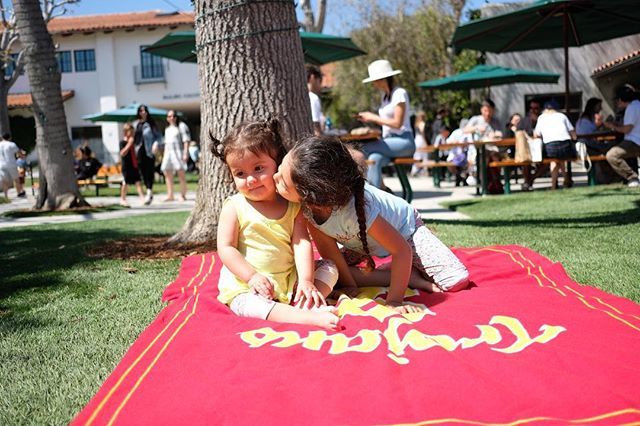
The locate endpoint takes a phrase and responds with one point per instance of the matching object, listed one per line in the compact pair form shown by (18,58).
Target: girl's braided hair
(325,174)
(257,137)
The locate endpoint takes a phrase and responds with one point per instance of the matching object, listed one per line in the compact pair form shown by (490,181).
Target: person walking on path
(393,116)
(147,141)
(176,154)
(130,170)
(626,98)
(9,166)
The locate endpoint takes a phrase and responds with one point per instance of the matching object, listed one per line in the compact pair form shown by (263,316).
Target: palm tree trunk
(52,140)
(250,66)
(5,126)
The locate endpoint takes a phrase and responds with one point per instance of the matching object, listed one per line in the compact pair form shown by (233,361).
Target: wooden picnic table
(372,135)
(483,165)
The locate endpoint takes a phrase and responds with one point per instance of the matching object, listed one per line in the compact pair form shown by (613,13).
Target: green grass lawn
(66,319)
(83,210)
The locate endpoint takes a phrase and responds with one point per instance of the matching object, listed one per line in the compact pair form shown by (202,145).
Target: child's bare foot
(417,281)
(168,199)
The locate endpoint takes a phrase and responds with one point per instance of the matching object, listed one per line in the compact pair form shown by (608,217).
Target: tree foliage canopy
(415,43)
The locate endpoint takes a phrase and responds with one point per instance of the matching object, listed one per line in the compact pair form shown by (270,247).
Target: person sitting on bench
(87,166)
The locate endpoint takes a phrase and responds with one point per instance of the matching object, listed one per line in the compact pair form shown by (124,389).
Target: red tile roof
(23,100)
(117,21)
(631,56)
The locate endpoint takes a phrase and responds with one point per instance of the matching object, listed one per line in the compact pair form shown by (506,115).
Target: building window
(64,61)
(11,65)
(85,60)
(150,65)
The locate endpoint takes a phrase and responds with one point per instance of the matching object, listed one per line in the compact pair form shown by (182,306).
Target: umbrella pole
(566,60)
(568,178)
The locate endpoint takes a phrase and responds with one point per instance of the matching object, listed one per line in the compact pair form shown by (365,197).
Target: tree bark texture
(250,66)
(52,139)
(5,126)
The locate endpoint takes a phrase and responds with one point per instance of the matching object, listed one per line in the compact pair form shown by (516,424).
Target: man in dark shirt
(528,123)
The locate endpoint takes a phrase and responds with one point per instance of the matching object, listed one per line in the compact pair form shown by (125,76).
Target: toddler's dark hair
(325,174)
(254,136)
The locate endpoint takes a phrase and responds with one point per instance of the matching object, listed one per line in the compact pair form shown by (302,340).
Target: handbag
(535,147)
(583,155)
(523,154)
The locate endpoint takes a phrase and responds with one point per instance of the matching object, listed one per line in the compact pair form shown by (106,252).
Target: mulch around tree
(147,248)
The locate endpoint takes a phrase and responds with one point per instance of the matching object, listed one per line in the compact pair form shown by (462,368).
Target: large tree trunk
(52,140)
(250,66)
(5,126)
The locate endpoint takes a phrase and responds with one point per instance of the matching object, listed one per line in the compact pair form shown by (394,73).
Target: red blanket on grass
(523,345)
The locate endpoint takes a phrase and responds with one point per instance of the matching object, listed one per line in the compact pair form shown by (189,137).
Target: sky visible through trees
(338,19)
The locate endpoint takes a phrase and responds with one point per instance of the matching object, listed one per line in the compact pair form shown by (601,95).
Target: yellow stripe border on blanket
(577,294)
(124,375)
(195,276)
(153,363)
(606,416)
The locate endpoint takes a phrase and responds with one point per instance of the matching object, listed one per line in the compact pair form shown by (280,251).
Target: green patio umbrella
(547,24)
(489,75)
(318,48)
(128,113)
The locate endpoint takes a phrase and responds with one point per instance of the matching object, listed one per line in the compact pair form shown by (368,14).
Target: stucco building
(103,68)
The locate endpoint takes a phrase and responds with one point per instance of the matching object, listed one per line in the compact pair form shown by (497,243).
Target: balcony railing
(149,74)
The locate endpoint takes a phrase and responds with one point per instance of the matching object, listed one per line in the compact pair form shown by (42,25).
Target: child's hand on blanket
(307,296)
(401,308)
(261,285)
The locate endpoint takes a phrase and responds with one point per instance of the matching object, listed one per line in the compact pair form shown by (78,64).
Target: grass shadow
(36,257)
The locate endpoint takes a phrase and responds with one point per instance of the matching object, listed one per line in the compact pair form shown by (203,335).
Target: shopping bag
(522,147)
(583,155)
(535,148)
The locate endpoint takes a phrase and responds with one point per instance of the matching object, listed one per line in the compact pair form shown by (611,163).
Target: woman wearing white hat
(393,116)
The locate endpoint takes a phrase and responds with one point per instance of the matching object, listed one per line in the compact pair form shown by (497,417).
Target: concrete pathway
(137,208)
(427,199)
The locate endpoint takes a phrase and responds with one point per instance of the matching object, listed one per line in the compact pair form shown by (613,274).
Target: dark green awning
(489,75)
(318,48)
(541,25)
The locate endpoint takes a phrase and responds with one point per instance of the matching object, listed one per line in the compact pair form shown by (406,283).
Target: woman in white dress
(176,154)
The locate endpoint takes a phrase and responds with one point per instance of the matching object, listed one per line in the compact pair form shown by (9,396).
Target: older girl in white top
(176,154)
(393,116)
(557,133)
(340,207)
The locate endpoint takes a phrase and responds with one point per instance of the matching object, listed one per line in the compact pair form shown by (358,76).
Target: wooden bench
(102,179)
(509,164)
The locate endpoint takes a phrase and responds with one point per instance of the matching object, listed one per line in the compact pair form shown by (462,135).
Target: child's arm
(401,261)
(329,250)
(127,147)
(231,258)
(307,293)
